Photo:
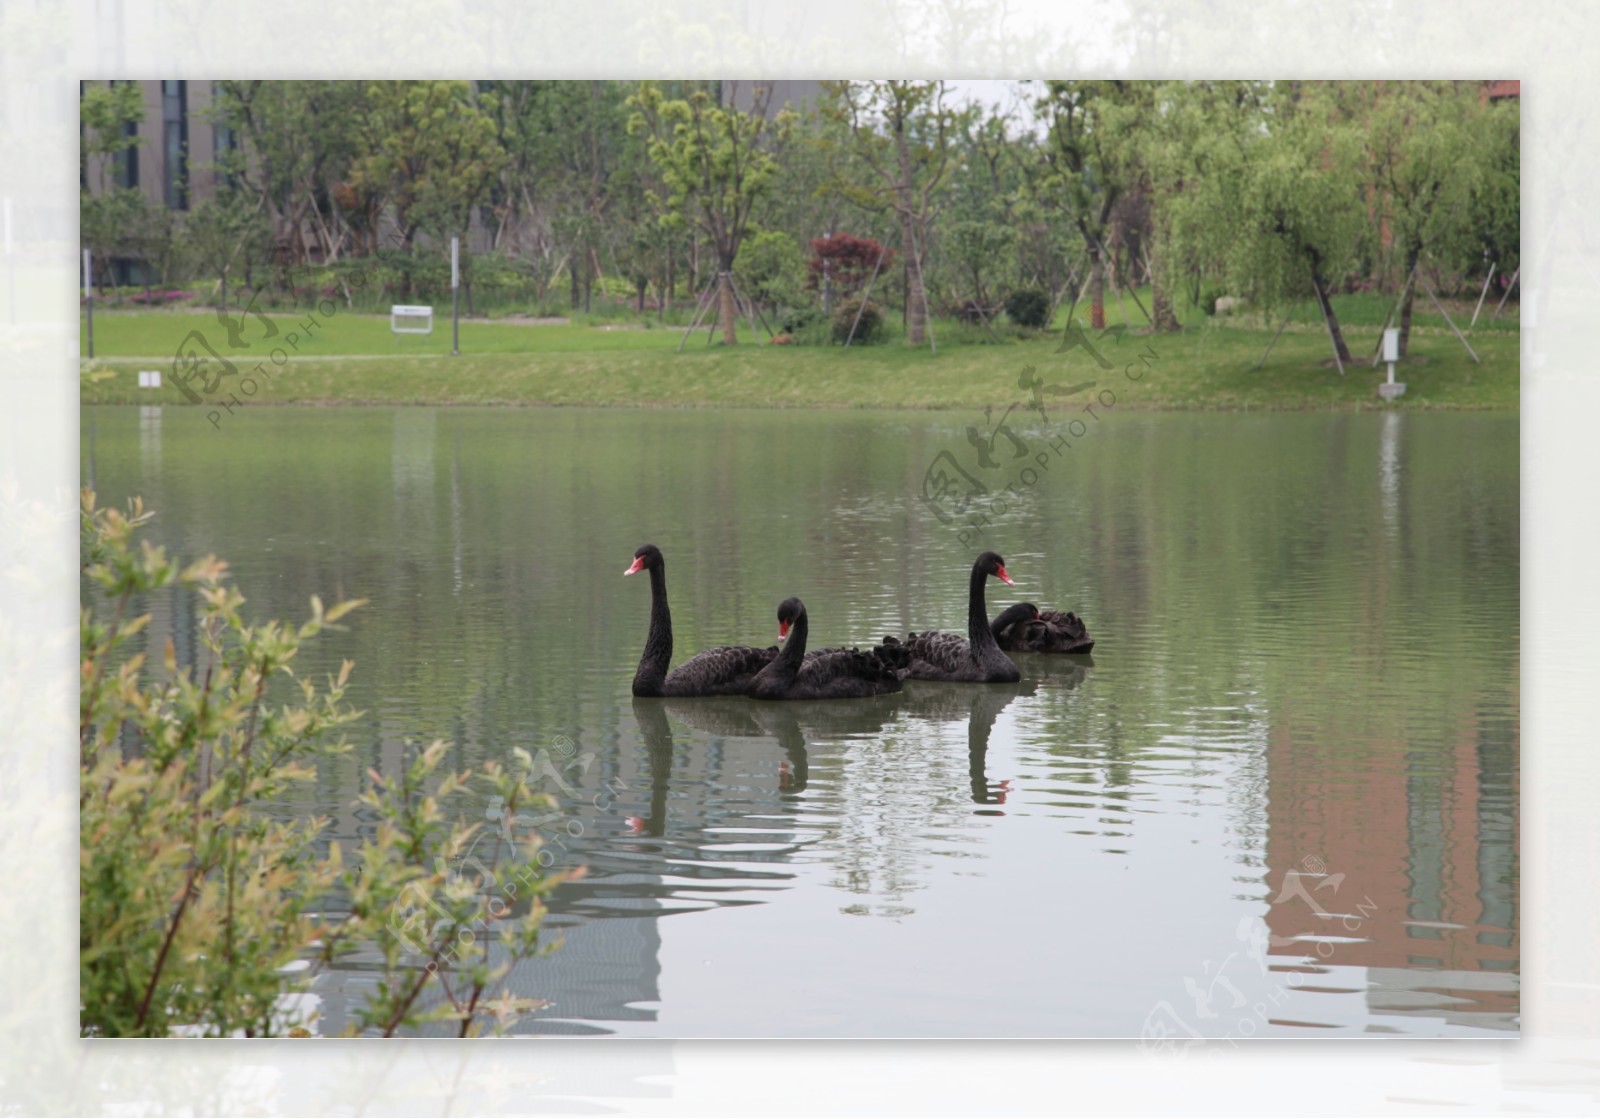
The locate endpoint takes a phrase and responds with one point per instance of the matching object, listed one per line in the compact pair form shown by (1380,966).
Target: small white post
(1391,354)
(455,294)
(88,296)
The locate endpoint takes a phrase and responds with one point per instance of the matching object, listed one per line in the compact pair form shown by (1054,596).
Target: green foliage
(772,269)
(1432,157)
(712,165)
(1280,203)
(431,149)
(223,232)
(104,114)
(193,894)
(981,252)
(1090,157)
(596,196)
(900,137)
(858,322)
(1496,206)
(1028,307)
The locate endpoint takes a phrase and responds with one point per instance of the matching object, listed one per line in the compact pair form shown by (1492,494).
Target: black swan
(1024,628)
(725,670)
(974,659)
(825,673)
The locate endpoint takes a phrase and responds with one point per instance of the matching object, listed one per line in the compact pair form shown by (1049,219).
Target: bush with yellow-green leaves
(195,897)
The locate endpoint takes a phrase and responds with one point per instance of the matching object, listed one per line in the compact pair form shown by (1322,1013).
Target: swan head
(789,611)
(647,556)
(992,563)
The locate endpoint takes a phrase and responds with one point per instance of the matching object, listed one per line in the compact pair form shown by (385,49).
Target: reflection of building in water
(1437,929)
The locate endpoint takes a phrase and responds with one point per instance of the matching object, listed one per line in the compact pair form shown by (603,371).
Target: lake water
(1281,798)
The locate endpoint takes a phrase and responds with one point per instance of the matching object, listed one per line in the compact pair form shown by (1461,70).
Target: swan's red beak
(638,565)
(1003,577)
(783,630)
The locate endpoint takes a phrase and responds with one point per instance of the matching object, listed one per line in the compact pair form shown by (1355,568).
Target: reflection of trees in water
(897,793)
(877,797)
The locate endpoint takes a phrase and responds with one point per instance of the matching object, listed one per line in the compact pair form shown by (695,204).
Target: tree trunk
(727,311)
(1323,301)
(1405,304)
(916,294)
(916,297)
(573,275)
(1160,302)
(1097,288)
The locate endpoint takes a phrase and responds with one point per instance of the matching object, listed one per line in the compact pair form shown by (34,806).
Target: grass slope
(354,359)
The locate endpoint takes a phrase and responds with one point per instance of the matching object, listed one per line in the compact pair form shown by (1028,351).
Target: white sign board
(410,320)
(1391,344)
(149,378)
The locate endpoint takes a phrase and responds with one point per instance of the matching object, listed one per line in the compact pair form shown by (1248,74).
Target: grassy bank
(353,359)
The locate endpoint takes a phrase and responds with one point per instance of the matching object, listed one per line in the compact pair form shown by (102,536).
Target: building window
(175,138)
(224,140)
(125,164)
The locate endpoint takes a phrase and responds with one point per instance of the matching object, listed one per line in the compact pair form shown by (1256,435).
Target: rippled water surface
(1280,799)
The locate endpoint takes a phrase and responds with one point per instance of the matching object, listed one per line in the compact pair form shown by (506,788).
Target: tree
(565,142)
(771,268)
(1496,206)
(980,238)
(431,149)
(1185,128)
(713,168)
(1088,162)
(1429,159)
(224,230)
(1277,199)
(108,117)
(902,132)
(845,262)
(294,140)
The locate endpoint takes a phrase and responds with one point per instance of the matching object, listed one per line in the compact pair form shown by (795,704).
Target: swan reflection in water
(793,724)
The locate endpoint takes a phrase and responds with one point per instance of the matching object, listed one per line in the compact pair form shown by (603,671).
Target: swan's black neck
(978,631)
(652,674)
(787,665)
(1009,617)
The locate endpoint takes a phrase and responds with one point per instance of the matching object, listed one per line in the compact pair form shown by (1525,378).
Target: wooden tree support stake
(1447,319)
(1262,360)
(862,306)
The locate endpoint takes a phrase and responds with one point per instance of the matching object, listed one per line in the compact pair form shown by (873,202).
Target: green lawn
(354,359)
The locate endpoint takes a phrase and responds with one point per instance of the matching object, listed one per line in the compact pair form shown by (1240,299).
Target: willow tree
(1088,161)
(714,171)
(1186,128)
(904,135)
(1281,204)
(1429,155)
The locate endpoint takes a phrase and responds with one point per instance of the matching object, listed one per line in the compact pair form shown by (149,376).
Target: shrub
(973,313)
(771,268)
(848,262)
(869,328)
(1028,307)
(194,894)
